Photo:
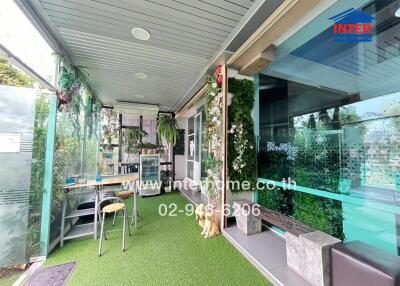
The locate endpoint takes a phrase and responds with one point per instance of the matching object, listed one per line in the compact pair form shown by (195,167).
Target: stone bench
(284,222)
(307,250)
(250,224)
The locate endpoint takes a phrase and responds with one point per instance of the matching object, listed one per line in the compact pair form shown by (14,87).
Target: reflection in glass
(330,120)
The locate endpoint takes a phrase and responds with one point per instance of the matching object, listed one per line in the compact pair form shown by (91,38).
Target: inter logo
(352,26)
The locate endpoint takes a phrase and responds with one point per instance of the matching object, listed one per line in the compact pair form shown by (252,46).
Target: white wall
(180,160)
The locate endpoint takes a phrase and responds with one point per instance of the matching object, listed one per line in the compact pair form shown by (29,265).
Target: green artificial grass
(162,251)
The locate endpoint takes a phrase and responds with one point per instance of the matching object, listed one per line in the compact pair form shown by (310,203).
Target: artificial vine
(241,144)
(72,83)
(93,113)
(69,82)
(214,135)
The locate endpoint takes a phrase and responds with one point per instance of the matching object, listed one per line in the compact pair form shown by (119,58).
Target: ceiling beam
(287,15)
(213,62)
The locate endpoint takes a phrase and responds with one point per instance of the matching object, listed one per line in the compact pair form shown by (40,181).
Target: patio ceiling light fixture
(140,34)
(397,13)
(141,75)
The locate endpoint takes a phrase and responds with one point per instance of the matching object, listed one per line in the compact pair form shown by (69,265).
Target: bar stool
(124,195)
(113,208)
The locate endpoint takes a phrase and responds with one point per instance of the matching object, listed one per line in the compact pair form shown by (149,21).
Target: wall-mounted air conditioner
(145,110)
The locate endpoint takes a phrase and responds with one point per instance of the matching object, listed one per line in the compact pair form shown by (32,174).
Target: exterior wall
(180,160)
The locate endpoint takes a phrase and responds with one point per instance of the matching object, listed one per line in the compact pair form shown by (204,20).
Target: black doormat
(52,276)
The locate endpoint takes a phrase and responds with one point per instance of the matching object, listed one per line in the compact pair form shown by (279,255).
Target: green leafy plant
(277,199)
(110,126)
(167,128)
(241,142)
(320,213)
(150,146)
(69,81)
(214,137)
(12,76)
(93,113)
(37,174)
(165,176)
(133,139)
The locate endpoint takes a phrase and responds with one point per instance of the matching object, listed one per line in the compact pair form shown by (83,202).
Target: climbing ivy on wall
(241,142)
(214,136)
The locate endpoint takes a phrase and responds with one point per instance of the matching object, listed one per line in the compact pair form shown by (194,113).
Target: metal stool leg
(134,211)
(126,218)
(123,231)
(115,215)
(100,220)
(101,233)
(96,206)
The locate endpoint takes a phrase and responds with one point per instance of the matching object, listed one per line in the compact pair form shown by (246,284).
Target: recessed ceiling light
(141,75)
(141,34)
(397,13)
(139,95)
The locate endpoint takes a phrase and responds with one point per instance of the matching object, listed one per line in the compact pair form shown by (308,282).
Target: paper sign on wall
(10,142)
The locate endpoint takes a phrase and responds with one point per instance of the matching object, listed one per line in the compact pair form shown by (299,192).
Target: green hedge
(319,213)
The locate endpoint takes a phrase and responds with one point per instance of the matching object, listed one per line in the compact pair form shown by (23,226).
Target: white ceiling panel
(185,36)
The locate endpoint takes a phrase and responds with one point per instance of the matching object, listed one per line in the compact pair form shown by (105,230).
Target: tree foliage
(12,76)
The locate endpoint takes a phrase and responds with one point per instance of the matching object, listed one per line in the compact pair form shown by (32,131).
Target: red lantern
(219,69)
(220,79)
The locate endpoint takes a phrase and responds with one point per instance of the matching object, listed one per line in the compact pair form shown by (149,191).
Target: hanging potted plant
(167,128)
(69,82)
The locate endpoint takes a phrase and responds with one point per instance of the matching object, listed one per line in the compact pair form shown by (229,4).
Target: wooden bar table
(84,230)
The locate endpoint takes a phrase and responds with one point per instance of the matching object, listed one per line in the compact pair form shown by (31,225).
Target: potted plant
(166,179)
(167,128)
(144,149)
(69,81)
(133,138)
(152,148)
(148,148)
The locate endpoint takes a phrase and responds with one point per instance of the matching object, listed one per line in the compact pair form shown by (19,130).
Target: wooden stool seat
(112,208)
(119,205)
(125,194)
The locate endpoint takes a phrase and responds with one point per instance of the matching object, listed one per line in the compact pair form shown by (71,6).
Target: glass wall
(150,126)
(24,110)
(330,121)
(75,156)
